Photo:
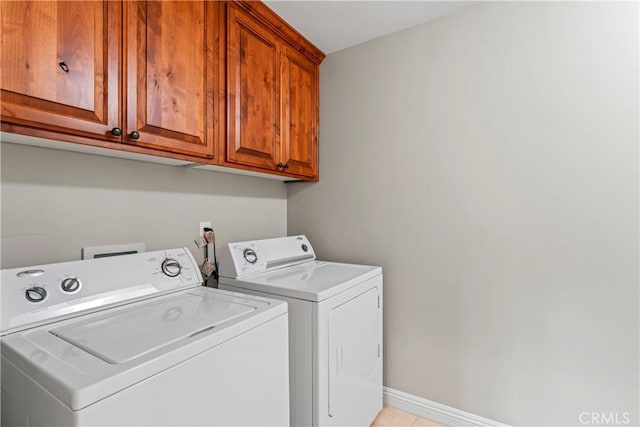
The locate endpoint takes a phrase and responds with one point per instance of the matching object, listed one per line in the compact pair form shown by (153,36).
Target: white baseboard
(434,411)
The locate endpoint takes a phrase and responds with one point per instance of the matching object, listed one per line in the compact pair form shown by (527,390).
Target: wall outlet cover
(203,225)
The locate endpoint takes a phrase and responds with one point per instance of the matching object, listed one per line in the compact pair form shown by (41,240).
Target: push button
(30,273)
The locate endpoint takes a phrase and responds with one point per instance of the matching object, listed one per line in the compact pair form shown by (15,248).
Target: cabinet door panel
(60,65)
(300,94)
(171,75)
(253,79)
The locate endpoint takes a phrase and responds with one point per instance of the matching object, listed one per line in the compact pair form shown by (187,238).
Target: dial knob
(70,285)
(35,294)
(250,255)
(171,267)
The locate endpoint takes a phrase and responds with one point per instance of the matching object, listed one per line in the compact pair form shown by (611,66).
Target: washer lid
(121,337)
(83,360)
(312,281)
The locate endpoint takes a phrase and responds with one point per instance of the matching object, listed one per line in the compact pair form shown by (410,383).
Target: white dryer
(335,326)
(136,340)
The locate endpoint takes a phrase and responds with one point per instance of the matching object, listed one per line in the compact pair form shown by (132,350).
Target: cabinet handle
(116,131)
(64,66)
(286,166)
(134,135)
(279,165)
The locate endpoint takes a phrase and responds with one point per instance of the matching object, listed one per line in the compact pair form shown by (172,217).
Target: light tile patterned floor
(392,417)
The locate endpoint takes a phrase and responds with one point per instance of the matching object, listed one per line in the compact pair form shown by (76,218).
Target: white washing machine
(136,340)
(335,326)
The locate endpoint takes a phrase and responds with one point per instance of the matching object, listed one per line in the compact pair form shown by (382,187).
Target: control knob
(250,255)
(70,285)
(36,294)
(170,267)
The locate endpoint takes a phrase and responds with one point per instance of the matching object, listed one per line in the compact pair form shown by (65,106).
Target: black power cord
(215,258)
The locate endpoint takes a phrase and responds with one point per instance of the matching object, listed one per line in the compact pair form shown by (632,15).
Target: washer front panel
(83,360)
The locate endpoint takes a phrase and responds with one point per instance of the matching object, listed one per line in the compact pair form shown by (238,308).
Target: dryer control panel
(40,294)
(242,259)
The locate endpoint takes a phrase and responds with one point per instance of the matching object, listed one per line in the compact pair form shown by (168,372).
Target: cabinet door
(253,91)
(60,66)
(170,72)
(300,106)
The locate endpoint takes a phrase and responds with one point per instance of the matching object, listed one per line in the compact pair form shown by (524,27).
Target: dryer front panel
(354,348)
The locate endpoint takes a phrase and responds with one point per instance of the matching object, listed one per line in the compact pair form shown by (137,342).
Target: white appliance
(136,340)
(335,326)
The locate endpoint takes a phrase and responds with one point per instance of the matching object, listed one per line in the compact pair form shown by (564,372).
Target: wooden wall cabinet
(253,92)
(60,66)
(63,73)
(272,92)
(170,71)
(300,82)
(209,82)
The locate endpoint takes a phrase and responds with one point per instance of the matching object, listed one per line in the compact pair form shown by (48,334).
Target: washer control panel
(32,295)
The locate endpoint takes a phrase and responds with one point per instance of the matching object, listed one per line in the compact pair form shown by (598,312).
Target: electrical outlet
(203,225)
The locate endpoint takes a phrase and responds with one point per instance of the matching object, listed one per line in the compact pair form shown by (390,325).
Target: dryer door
(354,347)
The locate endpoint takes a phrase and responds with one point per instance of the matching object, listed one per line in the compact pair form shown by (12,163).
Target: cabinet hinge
(378,301)
(378,350)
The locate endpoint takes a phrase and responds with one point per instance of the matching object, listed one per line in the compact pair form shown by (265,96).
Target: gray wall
(56,202)
(489,162)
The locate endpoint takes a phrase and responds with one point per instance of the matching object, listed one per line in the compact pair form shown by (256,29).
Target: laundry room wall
(488,161)
(56,202)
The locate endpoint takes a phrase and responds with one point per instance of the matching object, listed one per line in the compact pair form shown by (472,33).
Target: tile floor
(392,417)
